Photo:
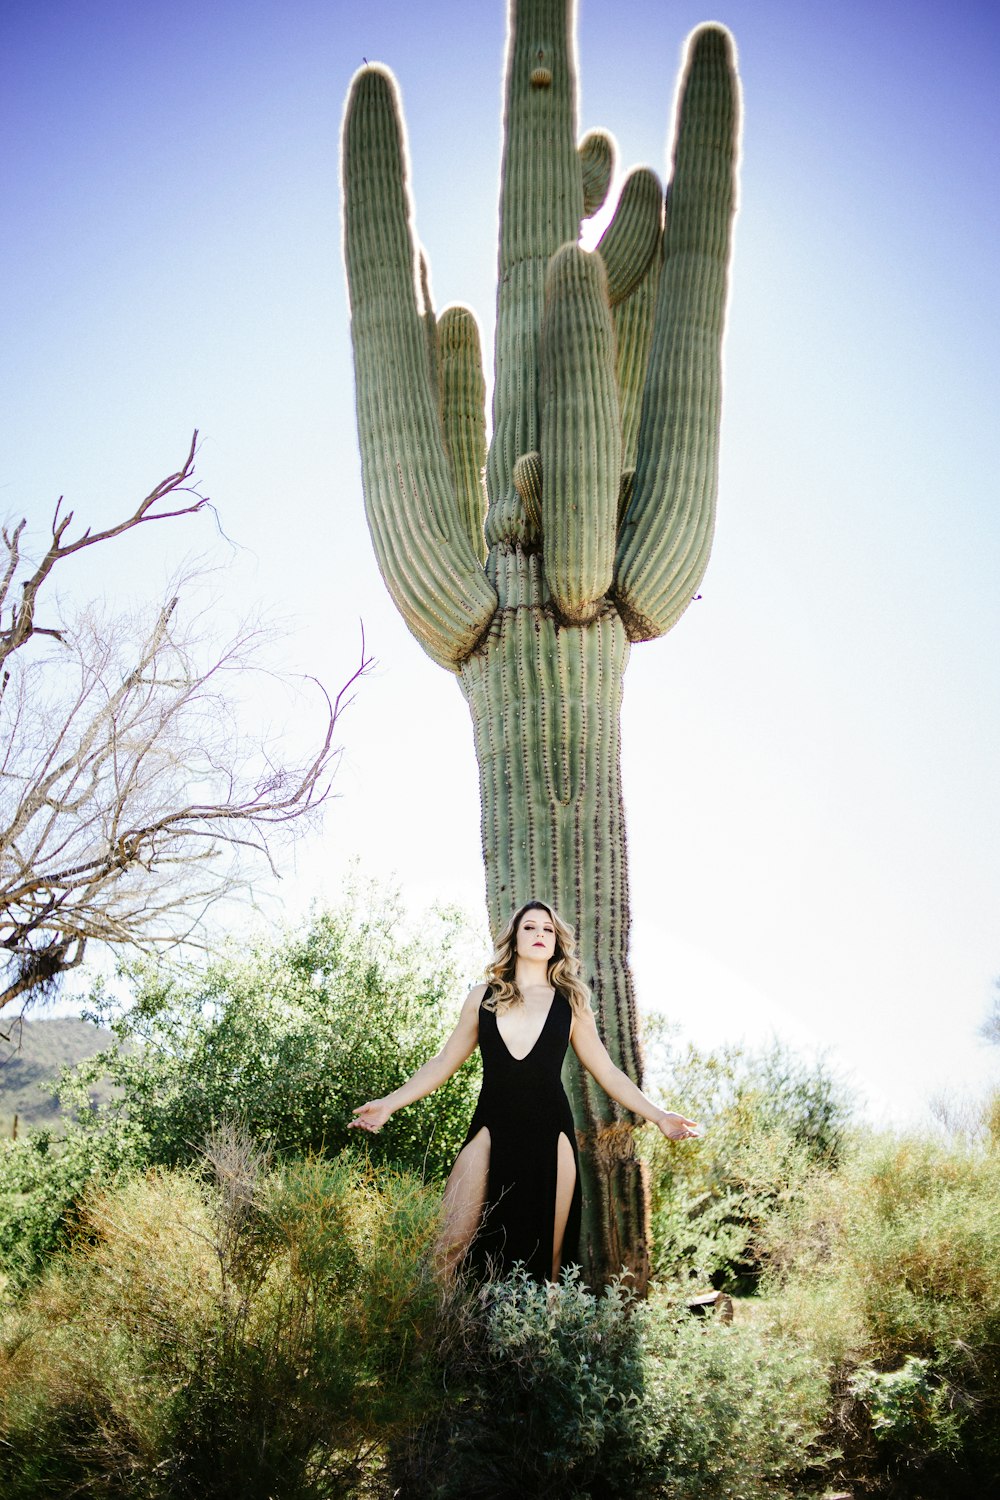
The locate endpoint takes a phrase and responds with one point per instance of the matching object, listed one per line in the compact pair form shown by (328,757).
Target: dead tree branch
(131,800)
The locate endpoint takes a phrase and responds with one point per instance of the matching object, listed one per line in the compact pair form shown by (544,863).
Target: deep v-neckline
(538,1038)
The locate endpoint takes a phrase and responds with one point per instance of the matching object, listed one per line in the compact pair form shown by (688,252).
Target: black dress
(524,1107)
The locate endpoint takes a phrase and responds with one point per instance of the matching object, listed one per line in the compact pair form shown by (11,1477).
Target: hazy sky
(809,758)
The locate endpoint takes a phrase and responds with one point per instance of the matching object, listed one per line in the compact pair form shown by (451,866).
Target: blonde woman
(514,1192)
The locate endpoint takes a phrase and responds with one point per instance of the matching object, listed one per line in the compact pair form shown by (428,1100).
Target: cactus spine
(594,524)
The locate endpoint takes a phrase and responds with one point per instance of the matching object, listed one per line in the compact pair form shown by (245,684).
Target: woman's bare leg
(464,1201)
(565,1184)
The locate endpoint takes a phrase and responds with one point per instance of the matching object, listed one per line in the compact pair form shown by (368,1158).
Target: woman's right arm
(459,1046)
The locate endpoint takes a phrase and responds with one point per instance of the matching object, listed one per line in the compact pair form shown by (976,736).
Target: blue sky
(809,758)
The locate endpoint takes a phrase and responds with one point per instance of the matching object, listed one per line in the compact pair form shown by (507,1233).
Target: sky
(809,757)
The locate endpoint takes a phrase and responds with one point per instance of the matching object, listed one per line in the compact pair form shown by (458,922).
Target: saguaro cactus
(593,524)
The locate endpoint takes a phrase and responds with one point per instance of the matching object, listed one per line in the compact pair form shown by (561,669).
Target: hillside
(30,1063)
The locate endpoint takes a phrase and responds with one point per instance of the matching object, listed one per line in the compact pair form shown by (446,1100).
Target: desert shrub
(289,1037)
(564,1394)
(890,1268)
(739,1413)
(260,1333)
(43,1174)
(907,1407)
(768,1121)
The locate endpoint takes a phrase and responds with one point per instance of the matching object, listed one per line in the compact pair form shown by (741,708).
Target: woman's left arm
(596,1059)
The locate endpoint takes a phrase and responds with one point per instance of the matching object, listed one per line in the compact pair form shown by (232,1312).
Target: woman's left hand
(677,1127)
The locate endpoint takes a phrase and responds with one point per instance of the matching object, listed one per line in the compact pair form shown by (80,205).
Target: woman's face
(536,935)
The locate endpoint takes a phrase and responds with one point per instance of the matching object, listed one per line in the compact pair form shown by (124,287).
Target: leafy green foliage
(564,1394)
(273,1326)
(290,1037)
(891,1268)
(251,1335)
(42,1177)
(768,1121)
(549,1385)
(737,1413)
(906,1407)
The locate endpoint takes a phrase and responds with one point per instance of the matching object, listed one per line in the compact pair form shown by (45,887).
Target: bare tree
(129,798)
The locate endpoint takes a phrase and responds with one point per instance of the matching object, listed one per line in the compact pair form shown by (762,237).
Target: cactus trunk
(544,699)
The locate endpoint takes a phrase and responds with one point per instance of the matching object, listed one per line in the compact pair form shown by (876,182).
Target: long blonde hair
(563,970)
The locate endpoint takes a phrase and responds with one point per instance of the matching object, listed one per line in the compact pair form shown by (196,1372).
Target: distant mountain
(30,1063)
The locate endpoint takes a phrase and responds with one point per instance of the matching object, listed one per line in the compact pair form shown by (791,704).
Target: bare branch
(131,801)
(12,541)
(22,617)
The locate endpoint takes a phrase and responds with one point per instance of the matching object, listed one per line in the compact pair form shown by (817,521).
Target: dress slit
(560,1168)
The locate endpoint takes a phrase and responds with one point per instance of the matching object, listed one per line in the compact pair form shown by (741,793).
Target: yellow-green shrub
(768,1120)
(258,1334)
(892,1265)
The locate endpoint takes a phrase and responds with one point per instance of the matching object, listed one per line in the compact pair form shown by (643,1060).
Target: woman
(514,1191)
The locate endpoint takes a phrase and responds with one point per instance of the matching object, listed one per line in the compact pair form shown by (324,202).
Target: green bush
(739,1413)
(560,1393)
(768,1121)
(890,1269)
(289,1038)
(286,1039)
(261,1334)
(907,1407)
(42,1176)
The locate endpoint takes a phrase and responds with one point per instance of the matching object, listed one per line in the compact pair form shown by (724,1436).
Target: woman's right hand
(371,1116)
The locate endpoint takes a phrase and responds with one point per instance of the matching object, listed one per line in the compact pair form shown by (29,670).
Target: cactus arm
(422,547)
(597,164)
(528,483)
(581,434)
(632,238)
(429,321)
(632,250)
(541,204)
(463,416)
(633,321)
(667,532)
